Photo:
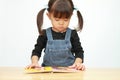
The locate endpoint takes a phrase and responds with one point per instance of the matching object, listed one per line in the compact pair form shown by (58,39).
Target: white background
(100,36)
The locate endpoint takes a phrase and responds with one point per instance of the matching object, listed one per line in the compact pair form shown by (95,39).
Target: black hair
(60,9)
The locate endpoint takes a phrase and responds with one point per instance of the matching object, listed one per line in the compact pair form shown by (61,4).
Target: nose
(61,22)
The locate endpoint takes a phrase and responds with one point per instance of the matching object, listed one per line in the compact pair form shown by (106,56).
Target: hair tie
(46,7)
(76,8)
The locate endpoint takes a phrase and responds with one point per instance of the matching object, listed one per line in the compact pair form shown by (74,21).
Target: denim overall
(58,52)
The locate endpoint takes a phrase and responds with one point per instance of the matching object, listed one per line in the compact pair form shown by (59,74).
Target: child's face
(60,24)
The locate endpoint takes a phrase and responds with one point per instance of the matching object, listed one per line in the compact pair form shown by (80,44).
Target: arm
(36,53)
(78,60)
(78,50)
(34,59)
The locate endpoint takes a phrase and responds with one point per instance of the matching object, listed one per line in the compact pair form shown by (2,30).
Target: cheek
(54,23)
(67,23)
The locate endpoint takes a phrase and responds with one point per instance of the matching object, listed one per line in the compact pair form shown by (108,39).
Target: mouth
(61,27)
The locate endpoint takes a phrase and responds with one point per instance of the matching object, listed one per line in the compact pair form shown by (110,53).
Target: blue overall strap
(68,34)
(49,34)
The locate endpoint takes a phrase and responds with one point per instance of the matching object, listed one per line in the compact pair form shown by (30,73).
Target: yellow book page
(37,70)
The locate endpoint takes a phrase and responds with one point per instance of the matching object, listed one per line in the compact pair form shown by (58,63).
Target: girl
(62,46)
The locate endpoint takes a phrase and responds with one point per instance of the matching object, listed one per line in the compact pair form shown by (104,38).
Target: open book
(50,69)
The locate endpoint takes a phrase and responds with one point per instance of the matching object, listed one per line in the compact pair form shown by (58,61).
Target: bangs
(61,11)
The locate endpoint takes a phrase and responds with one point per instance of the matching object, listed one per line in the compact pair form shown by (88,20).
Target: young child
(61,44)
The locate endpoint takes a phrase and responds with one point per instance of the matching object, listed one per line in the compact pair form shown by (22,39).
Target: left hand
(78,66)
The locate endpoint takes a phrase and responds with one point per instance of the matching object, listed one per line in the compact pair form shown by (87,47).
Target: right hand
(33,65)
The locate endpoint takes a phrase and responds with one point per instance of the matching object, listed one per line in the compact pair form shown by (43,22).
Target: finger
(83,68)
(31,66)
(73,66)
(80,67)
(37,67)
(27,67)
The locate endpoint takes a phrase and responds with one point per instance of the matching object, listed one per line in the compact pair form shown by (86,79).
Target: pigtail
(40,20)
(80,20)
